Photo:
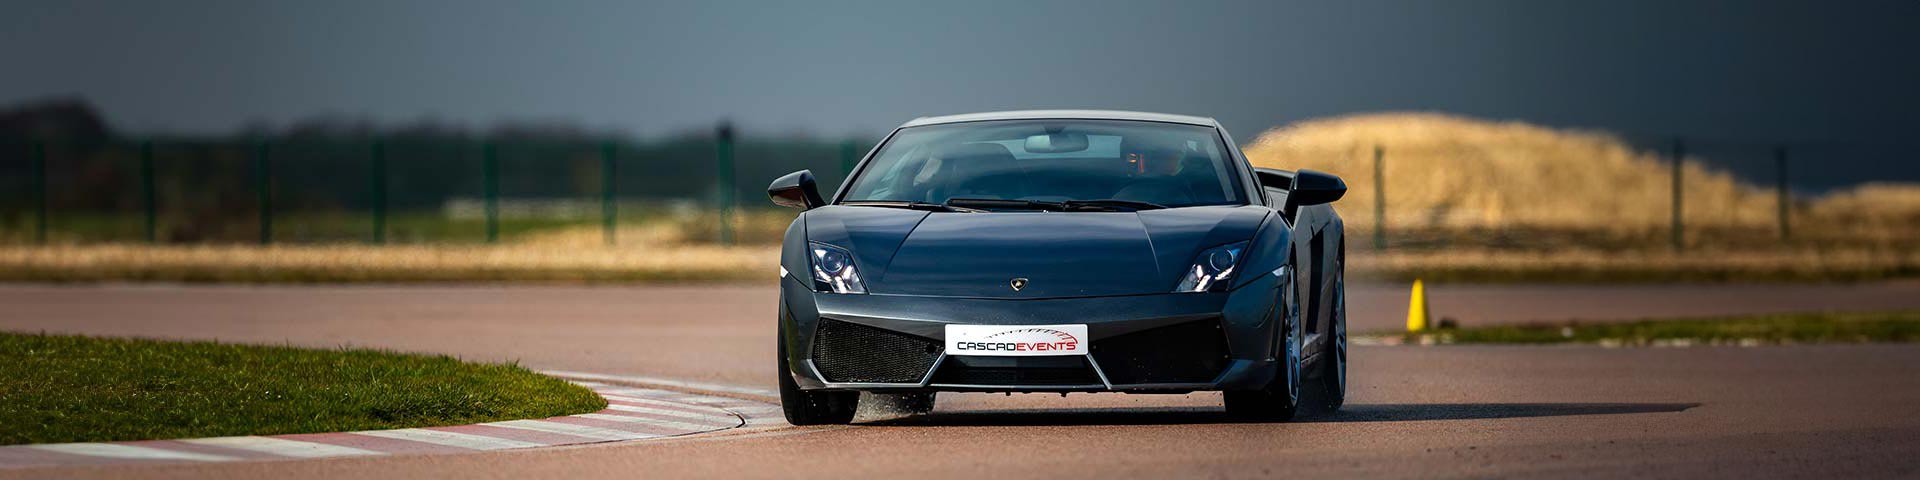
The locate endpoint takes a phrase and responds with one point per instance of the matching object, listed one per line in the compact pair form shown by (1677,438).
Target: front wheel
(811,408)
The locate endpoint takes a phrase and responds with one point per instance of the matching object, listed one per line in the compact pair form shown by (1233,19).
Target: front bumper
(1140,343)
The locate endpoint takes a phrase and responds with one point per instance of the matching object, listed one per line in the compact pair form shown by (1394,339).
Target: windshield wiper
(1005,204)
(1109,204)
(933,207)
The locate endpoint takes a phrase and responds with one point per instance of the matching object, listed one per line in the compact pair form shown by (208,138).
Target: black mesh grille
(1060,371)
(850,352)
(1192,352)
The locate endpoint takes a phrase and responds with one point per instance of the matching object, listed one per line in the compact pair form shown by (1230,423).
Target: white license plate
(1016,340)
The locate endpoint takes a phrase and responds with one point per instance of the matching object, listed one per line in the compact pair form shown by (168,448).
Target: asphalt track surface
(1456,411)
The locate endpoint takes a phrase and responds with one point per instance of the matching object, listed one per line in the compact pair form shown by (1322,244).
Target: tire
(811,408)
(1280,399)
(1330,388)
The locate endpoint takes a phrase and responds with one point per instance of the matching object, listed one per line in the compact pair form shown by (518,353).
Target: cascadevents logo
(1017,284)
(1024,340)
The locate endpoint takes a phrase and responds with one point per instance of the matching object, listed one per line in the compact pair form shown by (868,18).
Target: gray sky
(1740,70)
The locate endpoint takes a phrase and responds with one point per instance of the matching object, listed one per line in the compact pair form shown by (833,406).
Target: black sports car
(1061,251)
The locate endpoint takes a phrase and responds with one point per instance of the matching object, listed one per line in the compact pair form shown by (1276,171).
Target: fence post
(147,195)
(724,151)
(1679,192)
(608,208)
(263,173)
(490,188)
(1379,198)
(378,154)
(39,152)
(1780,168)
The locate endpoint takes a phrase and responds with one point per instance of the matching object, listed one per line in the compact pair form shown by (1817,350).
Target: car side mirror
(797,190)
(1312,187)
(1301,188)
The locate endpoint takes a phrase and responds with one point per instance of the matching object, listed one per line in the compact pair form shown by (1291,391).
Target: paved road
(1450,411)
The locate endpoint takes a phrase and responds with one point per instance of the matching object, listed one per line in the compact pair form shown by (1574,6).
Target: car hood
(1077,254)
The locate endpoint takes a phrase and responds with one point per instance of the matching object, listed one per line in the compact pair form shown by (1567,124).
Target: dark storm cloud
(1741,70)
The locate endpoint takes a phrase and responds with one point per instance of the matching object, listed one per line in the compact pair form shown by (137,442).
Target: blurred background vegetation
(1430,195)
(326,180)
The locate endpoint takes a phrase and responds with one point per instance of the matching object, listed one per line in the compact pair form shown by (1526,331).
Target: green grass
(59,388)
(1798,328)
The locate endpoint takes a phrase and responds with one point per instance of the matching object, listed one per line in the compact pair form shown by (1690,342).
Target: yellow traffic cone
(1417,308)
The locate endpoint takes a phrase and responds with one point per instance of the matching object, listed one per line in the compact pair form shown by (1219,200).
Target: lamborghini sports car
(1061,251)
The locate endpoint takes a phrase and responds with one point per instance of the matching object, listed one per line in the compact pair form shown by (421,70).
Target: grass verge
(1779,329)
(61,388)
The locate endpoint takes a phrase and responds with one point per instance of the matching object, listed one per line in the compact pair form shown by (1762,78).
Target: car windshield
(1035,164)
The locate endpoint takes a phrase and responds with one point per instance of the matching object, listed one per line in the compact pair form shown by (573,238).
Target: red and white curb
(632,413)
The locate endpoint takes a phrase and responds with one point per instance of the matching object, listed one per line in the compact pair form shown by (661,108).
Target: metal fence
(1610,192)
(1675,193)
(386,190)
(1676,159)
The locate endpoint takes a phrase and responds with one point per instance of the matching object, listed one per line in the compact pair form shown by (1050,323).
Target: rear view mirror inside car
(1057,143)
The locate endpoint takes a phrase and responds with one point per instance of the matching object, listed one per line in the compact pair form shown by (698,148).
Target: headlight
(833,270)
(1213,267)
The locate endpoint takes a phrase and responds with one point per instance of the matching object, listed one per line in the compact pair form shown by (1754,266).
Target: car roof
(1064,114)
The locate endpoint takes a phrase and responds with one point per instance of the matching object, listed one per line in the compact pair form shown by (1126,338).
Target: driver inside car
(1153,167)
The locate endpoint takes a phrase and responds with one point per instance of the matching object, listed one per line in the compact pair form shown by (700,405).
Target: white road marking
(450,439)
(676,397)
(684,398)
(115,450)
(760,434)
(282,447)
(720,416)
(666,382)
(628,399)
(755,413)
(736,406)
(694,427)
(642,393)
(634,398)
(596,433)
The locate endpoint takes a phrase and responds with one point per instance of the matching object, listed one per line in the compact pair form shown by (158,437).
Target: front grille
(1061,371)
(851,352)
(1191,352)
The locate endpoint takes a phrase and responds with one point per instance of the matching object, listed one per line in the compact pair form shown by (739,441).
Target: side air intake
(1191,352)
(848,352)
